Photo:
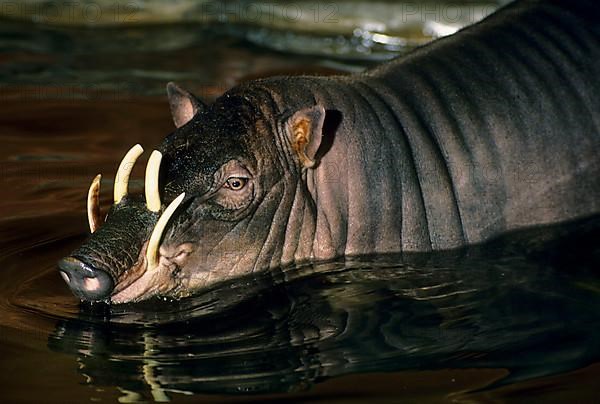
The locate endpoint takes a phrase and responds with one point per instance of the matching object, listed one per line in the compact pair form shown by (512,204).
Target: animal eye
(235,183)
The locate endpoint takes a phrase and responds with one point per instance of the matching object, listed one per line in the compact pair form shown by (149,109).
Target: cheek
(176,255)
(185,250)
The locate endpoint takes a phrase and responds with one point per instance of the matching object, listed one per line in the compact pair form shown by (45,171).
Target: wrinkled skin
(457,143)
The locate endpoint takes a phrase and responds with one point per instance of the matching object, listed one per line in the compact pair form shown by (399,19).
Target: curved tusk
(151,186)
(124,171)
(93,204)
(153,243)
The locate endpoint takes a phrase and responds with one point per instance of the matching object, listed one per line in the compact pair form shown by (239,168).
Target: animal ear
(184,105)
(305,128)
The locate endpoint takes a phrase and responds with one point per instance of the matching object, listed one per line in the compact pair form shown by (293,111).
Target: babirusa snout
(85,281)
(88,271)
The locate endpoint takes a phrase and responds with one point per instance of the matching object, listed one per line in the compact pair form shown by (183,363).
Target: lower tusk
(154,242)
(93,204)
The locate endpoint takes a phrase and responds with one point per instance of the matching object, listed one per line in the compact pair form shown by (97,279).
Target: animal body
(493,129)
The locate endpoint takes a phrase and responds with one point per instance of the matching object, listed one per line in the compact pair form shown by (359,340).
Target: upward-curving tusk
(93,204)
(124,171)
(151,186)
(154,242)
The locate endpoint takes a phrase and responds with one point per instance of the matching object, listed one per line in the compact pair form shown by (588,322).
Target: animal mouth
(93,284)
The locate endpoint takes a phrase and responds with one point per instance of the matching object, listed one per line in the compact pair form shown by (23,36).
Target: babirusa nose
(86,282)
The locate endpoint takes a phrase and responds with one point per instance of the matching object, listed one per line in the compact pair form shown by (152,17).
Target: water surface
(517,319)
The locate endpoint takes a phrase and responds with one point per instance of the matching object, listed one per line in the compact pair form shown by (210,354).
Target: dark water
(516,320)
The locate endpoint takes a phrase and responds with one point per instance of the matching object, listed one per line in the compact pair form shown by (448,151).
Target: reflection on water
(286,331)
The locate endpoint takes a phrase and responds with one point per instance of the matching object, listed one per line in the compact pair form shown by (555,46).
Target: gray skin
(492,129)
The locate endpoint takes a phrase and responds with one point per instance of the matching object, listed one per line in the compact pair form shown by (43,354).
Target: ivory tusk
(151,185)
(154,241)
(93,204)
(124,171)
